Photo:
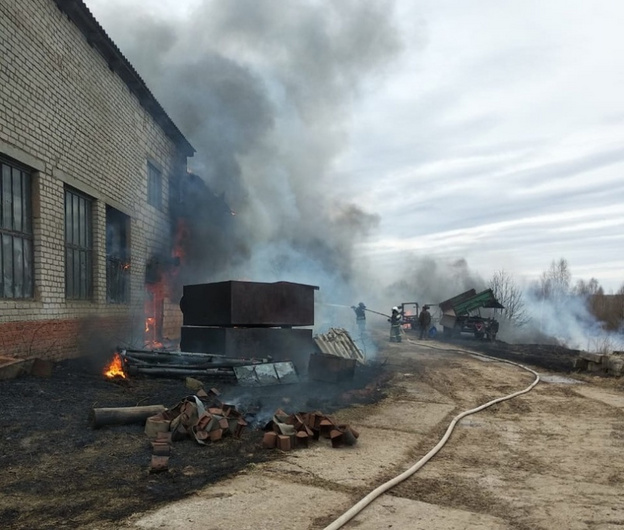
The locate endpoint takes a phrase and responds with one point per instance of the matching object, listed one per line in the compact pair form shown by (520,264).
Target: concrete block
(615,364)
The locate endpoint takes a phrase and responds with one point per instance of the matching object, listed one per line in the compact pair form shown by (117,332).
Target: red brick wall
(61,339)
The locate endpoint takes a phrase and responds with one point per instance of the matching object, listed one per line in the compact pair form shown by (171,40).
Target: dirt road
(549,459)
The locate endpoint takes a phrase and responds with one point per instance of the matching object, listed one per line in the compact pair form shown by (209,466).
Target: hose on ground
(357,508)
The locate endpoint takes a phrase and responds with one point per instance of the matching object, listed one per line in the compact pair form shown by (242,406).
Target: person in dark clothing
(424,319)
(395,325)
(360,316)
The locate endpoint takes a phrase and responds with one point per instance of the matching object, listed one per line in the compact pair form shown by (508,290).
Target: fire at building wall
(94,190)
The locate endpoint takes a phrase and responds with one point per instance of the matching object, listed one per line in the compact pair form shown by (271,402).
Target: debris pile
(201,417)
(612,364)
(338,342)
(289,431)
(245,372)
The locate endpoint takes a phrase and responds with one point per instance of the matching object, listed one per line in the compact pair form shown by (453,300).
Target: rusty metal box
(294,345)
(238,303)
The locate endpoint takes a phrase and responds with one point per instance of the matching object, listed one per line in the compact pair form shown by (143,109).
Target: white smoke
(566,321)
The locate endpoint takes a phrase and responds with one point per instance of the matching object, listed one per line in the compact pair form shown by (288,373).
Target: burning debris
(246,372)
(115,367)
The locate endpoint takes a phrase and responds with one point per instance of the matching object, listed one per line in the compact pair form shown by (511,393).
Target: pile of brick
(290,431)
(201,417)
(612,364)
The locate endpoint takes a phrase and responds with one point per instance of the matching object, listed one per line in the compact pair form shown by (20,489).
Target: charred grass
(58,472)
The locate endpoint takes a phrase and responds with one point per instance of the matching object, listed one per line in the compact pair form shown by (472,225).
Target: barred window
(16,247)
(154,185)
(117,257)
(78,246)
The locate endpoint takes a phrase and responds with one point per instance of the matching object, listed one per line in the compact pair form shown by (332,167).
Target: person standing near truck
(424,319)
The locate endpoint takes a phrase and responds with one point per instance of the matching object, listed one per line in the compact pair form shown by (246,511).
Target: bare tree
(588,289)
(554,284)
(510,295)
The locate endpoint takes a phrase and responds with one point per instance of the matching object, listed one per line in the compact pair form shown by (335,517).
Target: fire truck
(462,314)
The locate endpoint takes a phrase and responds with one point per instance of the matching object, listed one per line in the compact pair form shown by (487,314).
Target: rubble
(201,417)
(338,342)
(246,372)
(289,431)
(611,364)
(330,368)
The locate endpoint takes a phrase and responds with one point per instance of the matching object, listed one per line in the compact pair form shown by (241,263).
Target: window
(154,185)
(117,256)
(78,246)
(16,247)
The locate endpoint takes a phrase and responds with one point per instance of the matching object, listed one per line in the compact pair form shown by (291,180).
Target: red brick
(284,442)
(216,435)
(269,441)
(159,464)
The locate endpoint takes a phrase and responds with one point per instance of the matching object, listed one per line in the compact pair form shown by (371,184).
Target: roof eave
(79,14)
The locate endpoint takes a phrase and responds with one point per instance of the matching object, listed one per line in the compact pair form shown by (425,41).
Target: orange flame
(149,324)
(115,368)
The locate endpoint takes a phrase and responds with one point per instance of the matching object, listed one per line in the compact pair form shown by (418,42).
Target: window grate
(16,238)
(78,246)
(154,185)
(117,257)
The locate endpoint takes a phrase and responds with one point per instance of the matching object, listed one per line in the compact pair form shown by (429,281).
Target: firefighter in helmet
(395,325)
(360,316)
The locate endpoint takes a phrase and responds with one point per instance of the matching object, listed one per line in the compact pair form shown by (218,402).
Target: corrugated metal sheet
(337,341)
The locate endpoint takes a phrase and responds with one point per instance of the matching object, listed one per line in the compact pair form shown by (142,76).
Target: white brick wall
(66,114)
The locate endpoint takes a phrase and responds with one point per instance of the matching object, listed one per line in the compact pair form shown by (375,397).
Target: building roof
(79,14)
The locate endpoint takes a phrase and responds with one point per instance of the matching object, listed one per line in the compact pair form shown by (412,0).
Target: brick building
(89,164)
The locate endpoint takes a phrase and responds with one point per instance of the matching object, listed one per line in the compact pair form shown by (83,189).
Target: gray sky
(496,134)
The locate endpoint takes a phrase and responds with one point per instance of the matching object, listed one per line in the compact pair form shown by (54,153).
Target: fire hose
(376,312)
(357,508)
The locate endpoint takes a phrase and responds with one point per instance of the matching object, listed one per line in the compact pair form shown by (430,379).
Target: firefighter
(360,316)
(424,320)
(395,325)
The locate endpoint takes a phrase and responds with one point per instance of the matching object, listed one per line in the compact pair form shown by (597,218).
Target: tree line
(555,285)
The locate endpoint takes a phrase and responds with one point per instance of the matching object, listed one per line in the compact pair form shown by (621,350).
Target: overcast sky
(496,135)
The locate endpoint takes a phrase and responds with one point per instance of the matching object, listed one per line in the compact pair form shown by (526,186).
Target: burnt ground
(545,356)
(58,472)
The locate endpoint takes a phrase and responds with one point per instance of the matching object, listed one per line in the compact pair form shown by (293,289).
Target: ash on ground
(58,472)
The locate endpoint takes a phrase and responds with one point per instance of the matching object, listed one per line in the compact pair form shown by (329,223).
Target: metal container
(280,344)
(237,303)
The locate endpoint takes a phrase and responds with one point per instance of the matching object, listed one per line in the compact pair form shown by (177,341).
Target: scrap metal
(338,342)
(256,372)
